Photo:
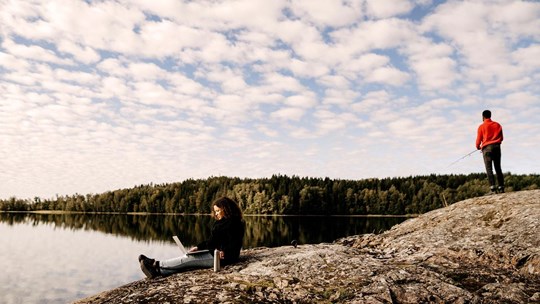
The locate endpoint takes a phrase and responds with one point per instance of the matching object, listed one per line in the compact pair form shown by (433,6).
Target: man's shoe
(500,189)
(150,267)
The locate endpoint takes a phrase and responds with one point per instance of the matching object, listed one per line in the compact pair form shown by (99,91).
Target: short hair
(230,208)
(486,114)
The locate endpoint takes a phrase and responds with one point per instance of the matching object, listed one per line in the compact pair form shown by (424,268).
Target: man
(489,139)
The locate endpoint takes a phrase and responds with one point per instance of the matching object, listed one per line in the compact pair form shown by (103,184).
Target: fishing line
(466,155)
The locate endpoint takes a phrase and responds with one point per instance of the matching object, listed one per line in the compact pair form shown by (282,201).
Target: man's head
(486,114)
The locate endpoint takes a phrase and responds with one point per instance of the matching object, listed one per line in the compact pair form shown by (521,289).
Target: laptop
(183,249)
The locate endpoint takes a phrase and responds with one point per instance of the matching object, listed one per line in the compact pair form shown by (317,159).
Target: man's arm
(479,137)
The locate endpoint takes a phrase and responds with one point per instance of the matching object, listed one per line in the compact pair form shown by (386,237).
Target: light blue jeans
(186,262)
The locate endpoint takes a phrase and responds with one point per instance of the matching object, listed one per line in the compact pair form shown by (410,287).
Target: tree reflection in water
(261,231)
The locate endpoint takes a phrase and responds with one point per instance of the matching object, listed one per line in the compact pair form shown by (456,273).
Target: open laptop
(183,249)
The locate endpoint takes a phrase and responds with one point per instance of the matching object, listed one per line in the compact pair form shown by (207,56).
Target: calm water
(59,258)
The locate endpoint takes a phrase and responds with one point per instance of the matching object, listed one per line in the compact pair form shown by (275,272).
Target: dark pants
(492,158)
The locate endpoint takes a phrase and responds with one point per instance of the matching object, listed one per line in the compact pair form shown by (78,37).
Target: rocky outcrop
(482,250)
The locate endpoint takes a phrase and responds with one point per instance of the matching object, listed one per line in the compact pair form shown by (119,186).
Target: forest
(281,194)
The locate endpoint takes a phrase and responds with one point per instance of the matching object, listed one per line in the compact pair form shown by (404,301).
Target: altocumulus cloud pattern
(100,95)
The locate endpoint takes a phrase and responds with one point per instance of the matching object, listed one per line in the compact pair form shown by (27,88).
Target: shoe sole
(146,271)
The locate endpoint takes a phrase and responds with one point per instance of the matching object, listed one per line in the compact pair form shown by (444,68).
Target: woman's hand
(193,249)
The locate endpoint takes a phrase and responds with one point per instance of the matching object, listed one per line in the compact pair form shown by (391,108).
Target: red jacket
(489,132)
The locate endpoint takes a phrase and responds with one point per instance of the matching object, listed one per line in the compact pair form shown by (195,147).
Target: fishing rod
(463,157)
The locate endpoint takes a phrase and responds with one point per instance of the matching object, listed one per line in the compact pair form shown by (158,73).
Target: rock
(481,250)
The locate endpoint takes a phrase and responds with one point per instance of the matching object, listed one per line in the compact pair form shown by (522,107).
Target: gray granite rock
(481,250)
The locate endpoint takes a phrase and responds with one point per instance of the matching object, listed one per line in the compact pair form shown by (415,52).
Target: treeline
(282,194)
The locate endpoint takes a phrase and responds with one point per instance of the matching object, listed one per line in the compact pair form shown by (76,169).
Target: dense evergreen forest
(281,194)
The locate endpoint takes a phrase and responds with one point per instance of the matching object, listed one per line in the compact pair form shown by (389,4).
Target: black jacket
(227,236)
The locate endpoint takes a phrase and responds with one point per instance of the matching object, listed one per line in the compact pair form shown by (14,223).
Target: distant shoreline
(208,214)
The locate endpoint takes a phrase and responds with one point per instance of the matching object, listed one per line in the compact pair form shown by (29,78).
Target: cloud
(156,37)
(388,75)
(372,35)
(364,64)
(56,20)
(113,86)
(307,69)
(230,80)
(340,96)
(83,54)
(113,66)
(277,82)
(34,52)
(403,127)
(79,77)
(10,62)
(152,93)
(323,13)
(433,64)
(334,81)
(372,100)
(288,114)
(520,18)
(267,131)
(232,109)
(330,122)
(528,57)
(145,71)
(520,100)
(306,41)
(435,73)
(181,84)
(485,35)
(388,8)
(301,101)
(373,68)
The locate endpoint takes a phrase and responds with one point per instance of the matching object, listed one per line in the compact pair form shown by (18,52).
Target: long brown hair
(230,208)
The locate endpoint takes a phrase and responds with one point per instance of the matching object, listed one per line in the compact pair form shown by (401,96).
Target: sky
(104,95)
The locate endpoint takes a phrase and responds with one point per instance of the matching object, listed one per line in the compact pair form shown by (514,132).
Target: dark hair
(230,208)
(486,114)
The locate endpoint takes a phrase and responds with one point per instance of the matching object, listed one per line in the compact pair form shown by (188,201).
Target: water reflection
(60,265)
(268,231)
(64,257)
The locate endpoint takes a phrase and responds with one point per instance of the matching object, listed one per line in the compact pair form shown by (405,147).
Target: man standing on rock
(489,139)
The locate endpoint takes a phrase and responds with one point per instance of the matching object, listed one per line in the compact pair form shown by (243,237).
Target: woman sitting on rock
(227,236)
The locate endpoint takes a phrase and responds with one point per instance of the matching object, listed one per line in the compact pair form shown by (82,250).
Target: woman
(227,236)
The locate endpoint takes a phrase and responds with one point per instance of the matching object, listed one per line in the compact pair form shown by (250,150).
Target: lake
(59,258)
